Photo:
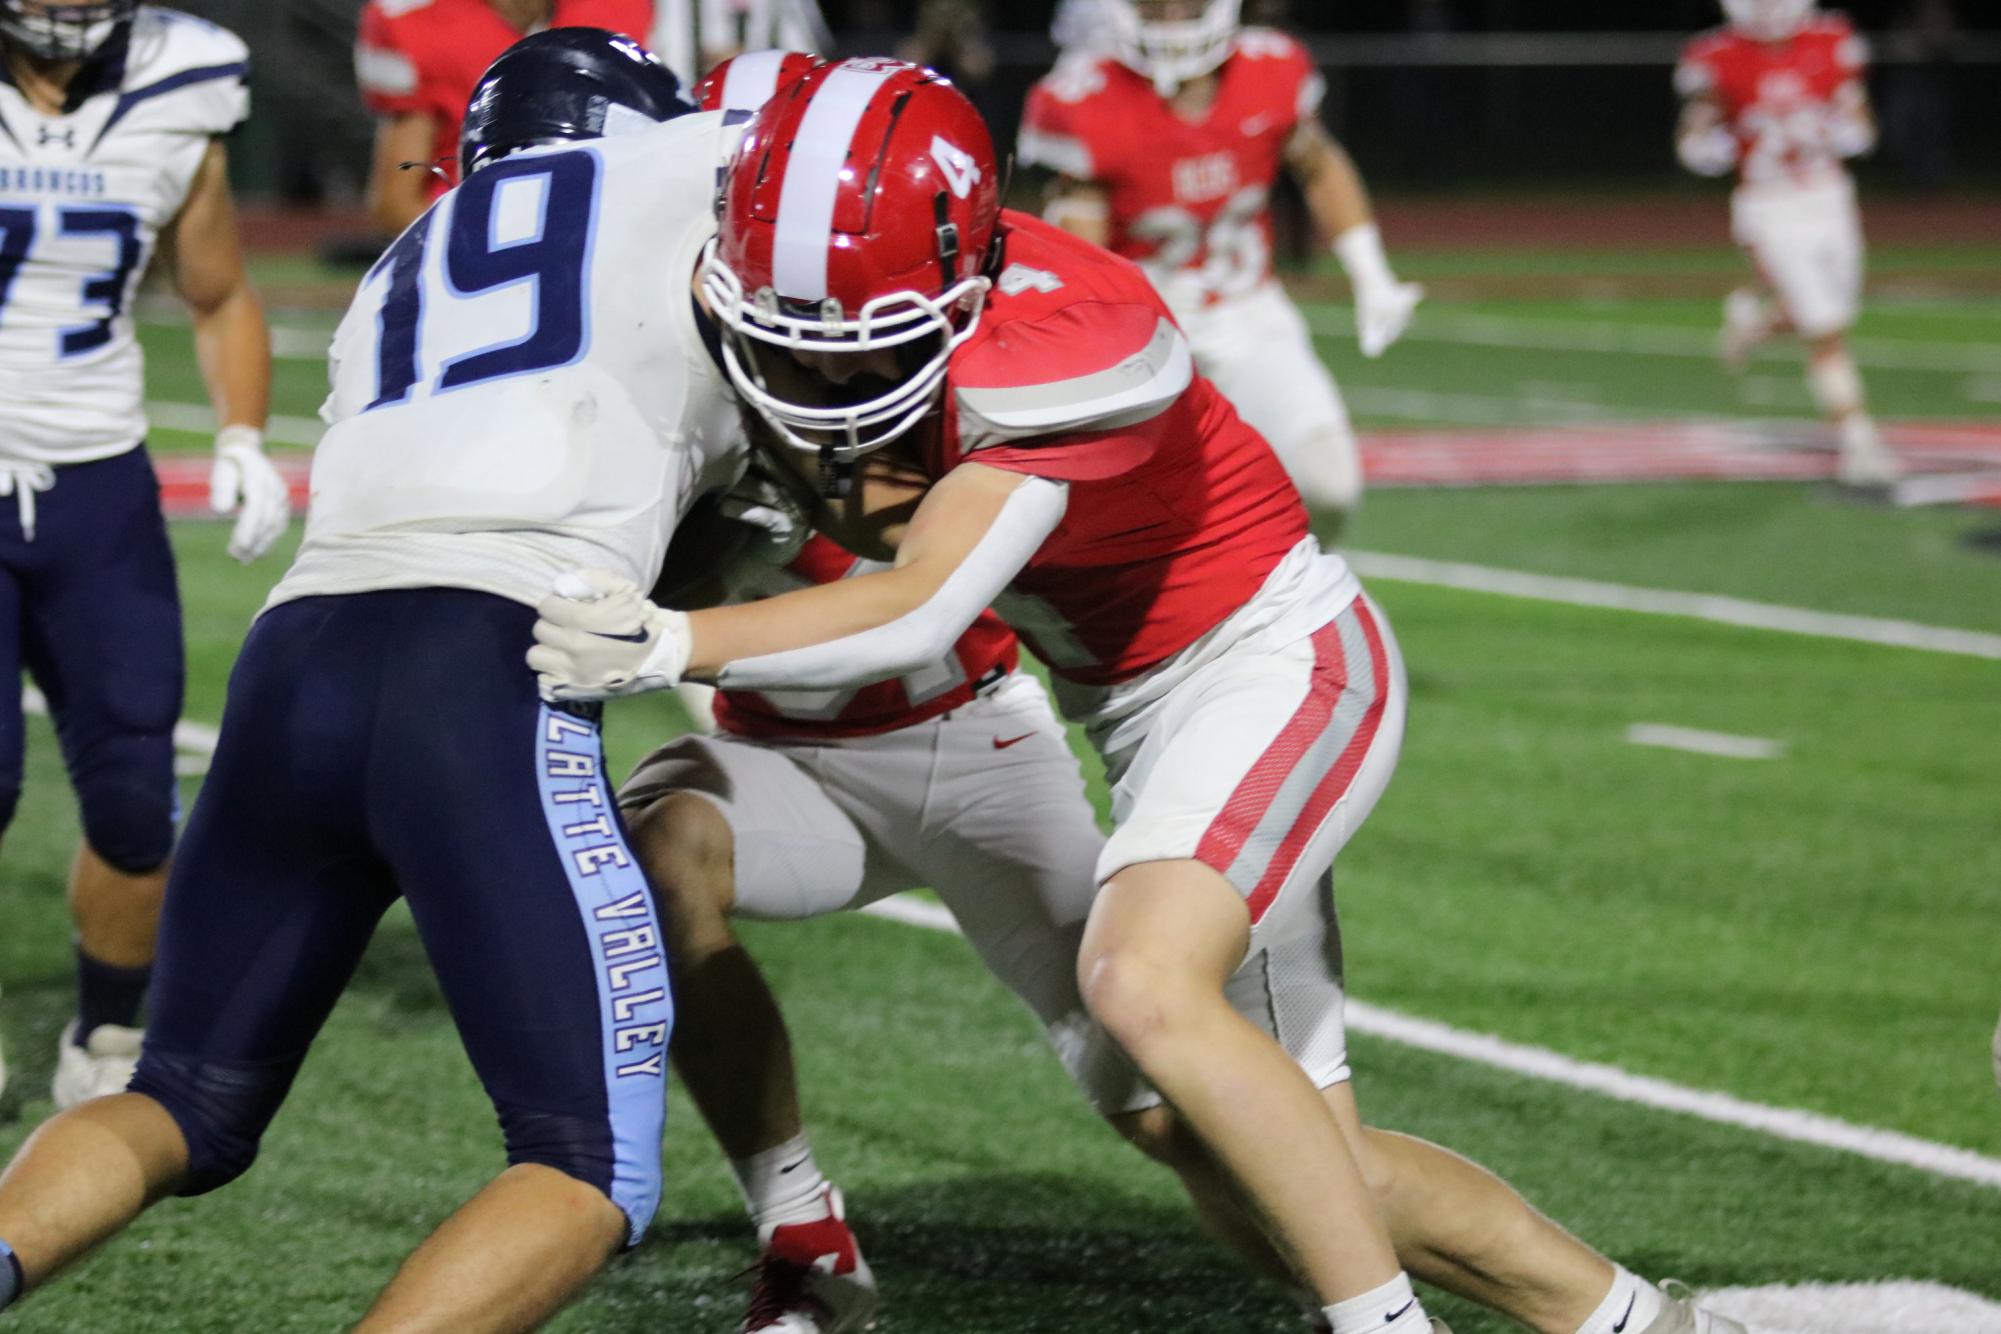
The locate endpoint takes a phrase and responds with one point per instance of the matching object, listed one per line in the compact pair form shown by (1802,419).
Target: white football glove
(598,638)
(1383,305)
(244,477)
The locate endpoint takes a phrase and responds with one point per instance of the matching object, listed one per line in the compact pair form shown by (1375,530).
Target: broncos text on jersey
(521,386)
(83,196)
(1190,199)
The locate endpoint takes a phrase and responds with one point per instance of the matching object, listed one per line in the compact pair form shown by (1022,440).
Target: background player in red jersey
(1167,150)
(1248,700)
(1778,96)
(417,61)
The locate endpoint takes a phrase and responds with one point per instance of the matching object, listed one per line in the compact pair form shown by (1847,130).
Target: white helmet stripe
(752,79)
(813,177)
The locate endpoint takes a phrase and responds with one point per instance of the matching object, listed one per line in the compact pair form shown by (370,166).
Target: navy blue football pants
(88,605)
(392,743)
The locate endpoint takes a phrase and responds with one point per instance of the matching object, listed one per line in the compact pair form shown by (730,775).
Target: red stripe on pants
(1335,784)
(1252,798)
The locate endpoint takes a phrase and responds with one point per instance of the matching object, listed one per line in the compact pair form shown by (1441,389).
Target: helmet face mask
(1173,41)
(58,32)
(1768,20)
(778,355)
(851,262)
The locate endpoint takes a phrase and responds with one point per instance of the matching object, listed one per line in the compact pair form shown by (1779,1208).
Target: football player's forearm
(1080,209)
(233,348)
(875,626)
(1335,195)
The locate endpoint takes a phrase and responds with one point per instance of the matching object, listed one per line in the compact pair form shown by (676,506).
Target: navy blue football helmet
(58,30)
(561,85)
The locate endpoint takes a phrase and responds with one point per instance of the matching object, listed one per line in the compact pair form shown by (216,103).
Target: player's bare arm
(975,530)
(1339,203)
(1703,140)
(233,346)
(1082,208)
(398,194)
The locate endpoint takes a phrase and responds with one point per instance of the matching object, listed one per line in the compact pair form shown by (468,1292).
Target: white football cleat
(1683,1316)
(104,1065)
(812,1279)
(1865,462)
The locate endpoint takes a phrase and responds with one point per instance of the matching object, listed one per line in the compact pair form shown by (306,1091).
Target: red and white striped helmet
(1768,20)
(858,218)
(745,83)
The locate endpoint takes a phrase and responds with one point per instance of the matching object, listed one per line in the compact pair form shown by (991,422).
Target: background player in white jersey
(518,385)
(1167,148)
(1778,96)
(695,36)
(111,124)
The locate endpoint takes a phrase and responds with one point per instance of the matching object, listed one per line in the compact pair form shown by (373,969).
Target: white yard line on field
(200,418)
(1886,1146)
(1332,320)
(1694,740)
(1664,602)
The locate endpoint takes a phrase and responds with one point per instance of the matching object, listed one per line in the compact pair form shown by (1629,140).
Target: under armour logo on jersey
(1019,278)
(961,172)
(65,136)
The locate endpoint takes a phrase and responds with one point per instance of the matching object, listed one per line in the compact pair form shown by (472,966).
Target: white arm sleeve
(924,635)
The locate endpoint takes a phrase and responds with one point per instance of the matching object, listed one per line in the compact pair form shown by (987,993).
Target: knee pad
(128,822)
(1327,468)
(221,1107)
(582,1149)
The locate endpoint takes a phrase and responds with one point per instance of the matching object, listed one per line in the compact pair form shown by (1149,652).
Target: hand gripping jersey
(1779,98)
(424,56)
(986,652)
(1177,510)
(1190,200)
(83,197)
(520,387)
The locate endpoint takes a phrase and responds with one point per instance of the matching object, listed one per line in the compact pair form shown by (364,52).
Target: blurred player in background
(1013,416)
(1778,96)
(382,737)
(111,125)
(695,36)
(1166,150)
(417,61)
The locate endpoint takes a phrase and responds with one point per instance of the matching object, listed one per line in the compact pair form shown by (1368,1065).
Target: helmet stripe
(813,178)
(751,80)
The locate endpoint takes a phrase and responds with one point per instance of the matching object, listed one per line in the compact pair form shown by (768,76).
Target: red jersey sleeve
(385,70)
(1059,131)
(1851,48)
(1074,395)
(1696,74)
(1286,69)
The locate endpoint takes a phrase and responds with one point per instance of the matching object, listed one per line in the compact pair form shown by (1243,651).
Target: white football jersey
(83,197)
(521,387)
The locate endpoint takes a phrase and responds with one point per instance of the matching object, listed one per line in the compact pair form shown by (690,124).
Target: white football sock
(1632,1305)
(1836,385)
(1390,1309)
(781,1185)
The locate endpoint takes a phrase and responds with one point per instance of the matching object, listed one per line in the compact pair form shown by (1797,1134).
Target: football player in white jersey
(111,123)
(520,385)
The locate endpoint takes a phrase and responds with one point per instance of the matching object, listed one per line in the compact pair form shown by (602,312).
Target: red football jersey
(1778,98)
(987,650)
(426,55)
(1188,197)
(1178,510)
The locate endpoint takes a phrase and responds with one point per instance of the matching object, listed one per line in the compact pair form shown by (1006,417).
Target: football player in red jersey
(1167,149)
(885,319)
(1777,95)
(417,62)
